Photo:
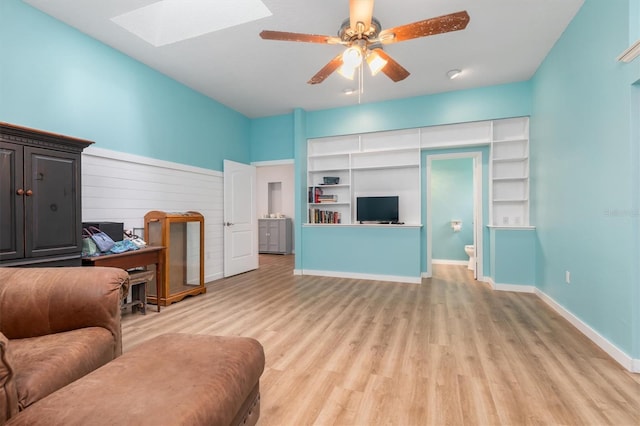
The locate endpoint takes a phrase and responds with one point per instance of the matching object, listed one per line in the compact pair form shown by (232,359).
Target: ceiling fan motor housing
(349,35)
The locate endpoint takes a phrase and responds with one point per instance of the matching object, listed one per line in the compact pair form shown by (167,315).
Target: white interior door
(240,221)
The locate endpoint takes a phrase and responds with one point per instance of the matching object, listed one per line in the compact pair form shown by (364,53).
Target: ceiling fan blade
(360,11)
(442,24)
(392,69)
(326,71)
(305,38)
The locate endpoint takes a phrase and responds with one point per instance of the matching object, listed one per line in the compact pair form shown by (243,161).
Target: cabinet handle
(20,191)
(29,193)
(228,224)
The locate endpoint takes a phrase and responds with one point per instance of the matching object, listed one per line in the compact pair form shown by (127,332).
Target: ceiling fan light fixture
(347,72)
(352,57)
(375,62)
(455,73)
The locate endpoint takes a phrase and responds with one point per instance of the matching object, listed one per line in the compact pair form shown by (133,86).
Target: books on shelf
(327,198)
(316,196)
(324,216)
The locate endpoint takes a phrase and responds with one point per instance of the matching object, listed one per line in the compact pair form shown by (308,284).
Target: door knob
(29,193)
(20,191)
(228,224)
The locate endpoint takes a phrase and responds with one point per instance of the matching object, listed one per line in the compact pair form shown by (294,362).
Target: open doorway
(275,198)
(454,210)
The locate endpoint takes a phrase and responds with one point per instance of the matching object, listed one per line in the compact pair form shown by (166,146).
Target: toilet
(471,252)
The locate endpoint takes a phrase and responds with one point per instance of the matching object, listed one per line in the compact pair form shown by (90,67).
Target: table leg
(159,280)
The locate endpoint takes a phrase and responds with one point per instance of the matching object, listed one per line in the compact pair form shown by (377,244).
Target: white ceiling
(505,41)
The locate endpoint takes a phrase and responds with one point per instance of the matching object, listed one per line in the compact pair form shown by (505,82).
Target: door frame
(477,206)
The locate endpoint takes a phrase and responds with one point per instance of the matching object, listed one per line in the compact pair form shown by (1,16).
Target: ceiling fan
(364,38)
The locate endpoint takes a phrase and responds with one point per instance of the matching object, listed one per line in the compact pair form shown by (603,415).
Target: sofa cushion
(173,379)
(47,363)
(8,393)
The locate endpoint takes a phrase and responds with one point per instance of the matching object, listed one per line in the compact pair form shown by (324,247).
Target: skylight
(170,21)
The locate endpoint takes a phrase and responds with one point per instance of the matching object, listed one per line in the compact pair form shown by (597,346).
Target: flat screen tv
(377,209)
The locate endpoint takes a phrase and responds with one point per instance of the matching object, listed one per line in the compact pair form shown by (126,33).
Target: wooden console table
(133,259)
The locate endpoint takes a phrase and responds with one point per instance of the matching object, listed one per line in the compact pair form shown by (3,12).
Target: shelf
(328,170)
(364,225)
(389,150)
(510,179)
(337,203)
(339,185)
(343,154)
(514,200)
(510,159)
(405,166)
(514,140)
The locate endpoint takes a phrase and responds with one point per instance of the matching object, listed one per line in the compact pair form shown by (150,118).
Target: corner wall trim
(354,275)
(612,350)
(272,163)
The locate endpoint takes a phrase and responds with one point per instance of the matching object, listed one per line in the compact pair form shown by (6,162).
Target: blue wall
(451,199)
(486,103)
(363,249)
(54,78)
(272,138)
(583,160)
(513,256)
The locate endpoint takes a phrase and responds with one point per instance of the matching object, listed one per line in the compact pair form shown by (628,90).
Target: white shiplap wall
(120,187)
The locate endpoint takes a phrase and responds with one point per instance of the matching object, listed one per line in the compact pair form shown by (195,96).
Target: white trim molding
(449,262)
(612,350)
(272,163)
(359,276)
(516,288)
(631,53)
(138,159)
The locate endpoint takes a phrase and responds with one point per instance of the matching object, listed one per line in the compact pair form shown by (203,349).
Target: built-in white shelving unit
(510,172)
(372,164)
(388,163)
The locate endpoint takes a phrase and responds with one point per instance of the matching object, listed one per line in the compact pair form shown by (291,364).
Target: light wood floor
(448,351)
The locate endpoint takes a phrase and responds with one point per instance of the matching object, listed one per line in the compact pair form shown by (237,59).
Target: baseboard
(359,276)
(213,277)
(449,262)
(612,350)
(297,272)
(517,288)
(426,275)
(488,280)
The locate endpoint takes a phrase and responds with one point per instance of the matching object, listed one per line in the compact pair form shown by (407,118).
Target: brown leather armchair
(56,325)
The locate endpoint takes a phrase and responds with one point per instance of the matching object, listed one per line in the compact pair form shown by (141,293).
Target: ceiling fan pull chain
(360,84)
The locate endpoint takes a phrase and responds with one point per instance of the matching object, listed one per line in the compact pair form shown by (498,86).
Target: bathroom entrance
(454,210)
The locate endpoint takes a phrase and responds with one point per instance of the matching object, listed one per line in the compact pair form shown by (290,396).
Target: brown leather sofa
(56,326)
(59,325)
